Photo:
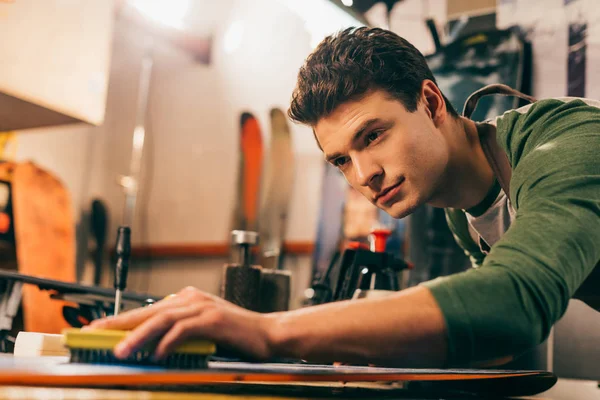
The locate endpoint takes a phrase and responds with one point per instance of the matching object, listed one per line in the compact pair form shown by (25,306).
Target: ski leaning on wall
(245,215)
(277,188)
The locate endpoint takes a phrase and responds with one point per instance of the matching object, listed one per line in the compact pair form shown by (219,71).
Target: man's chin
(401,209)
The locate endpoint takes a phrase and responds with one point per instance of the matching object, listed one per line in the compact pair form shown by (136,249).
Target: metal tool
(244,240)
(241,280)
(357,268)
(123,250)
(378,239)
(275,290)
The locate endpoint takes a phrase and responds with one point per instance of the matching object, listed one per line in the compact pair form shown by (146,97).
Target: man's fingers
(130,319)
(206,325)
(177,335)
(153,328)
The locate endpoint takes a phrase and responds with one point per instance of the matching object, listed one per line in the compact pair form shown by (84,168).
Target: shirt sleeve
(523,287)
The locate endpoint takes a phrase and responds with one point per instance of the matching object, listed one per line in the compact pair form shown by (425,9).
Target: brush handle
(123,250)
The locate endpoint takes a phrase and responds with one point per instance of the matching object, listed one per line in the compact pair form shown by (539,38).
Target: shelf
(55,62)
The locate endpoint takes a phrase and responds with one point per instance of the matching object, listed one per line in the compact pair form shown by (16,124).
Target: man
(378,115)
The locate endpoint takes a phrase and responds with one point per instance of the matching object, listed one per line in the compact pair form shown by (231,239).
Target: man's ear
(432,98)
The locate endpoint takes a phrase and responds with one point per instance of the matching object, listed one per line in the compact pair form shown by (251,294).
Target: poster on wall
(547,33)
(559,37)
(576,67)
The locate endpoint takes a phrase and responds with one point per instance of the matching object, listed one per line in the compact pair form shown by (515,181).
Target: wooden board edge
(99,380)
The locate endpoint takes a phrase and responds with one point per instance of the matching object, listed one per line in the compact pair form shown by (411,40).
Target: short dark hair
(346,65)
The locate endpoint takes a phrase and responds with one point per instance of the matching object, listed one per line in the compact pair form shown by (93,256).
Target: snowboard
(277,187)
(55,371)
(44,237)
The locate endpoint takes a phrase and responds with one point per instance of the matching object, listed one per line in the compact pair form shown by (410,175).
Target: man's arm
(405,329)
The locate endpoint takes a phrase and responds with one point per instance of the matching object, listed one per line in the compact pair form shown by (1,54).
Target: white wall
(192,150)
(191,154)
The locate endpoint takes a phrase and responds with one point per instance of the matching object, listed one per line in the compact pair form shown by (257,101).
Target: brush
(96,347)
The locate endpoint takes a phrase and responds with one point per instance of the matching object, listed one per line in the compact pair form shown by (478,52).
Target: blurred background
(135,107)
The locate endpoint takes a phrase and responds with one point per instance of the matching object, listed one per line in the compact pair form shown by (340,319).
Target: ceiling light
(321,17)
(166,12)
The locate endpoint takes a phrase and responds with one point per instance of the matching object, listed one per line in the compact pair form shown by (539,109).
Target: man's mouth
(388,194)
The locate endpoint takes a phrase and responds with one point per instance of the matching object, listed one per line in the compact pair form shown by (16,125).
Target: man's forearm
(405,329)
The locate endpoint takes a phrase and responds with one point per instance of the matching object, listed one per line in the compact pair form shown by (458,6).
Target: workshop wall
(190,160)
(190,167)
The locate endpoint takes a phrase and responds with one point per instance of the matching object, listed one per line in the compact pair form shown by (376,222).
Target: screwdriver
(123,250)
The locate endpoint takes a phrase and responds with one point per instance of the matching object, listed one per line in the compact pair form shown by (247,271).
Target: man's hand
(191,314)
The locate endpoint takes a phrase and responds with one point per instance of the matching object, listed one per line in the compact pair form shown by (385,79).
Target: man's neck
(469,176)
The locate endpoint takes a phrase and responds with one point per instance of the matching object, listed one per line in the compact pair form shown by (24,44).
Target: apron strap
(496,88)
(496,157)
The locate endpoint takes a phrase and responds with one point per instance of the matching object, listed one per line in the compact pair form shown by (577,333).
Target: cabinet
(54,61)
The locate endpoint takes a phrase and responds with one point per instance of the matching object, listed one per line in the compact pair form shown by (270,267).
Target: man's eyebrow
(356,136)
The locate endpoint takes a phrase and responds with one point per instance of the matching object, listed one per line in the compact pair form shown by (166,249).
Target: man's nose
(366,169)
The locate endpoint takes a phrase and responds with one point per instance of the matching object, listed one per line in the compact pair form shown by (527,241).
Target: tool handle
(244,240)
(123,250)
(380,237)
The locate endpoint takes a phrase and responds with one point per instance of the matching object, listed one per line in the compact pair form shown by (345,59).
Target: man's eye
(371,137)
(340,161)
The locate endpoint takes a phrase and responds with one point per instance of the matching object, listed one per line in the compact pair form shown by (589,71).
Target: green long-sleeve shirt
(524,284)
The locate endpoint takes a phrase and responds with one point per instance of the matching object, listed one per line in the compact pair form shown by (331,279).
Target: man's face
(395,158)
